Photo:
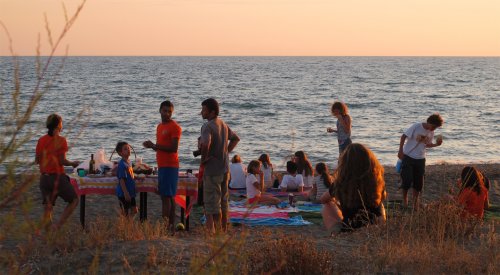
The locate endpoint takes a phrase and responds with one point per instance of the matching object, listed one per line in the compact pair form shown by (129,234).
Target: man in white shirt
(418,137)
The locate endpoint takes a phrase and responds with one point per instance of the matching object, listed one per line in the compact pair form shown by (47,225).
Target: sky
(258,27)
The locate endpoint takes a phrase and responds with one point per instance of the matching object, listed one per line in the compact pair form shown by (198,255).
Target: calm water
(276,104)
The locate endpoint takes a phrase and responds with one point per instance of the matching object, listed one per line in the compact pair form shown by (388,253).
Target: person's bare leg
(218,222)
(171,216)
(405,197)
(332,217)
(164,208)
(67,212)
(210,224)
(47,215)
(416,200)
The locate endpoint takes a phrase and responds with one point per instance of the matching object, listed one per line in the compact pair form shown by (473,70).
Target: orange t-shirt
(49,149)
(473,203)
(165,133)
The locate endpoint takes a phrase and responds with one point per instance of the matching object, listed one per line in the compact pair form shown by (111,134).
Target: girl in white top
(255,185)
(238,173)
(304,167)
(292,180)
(267,168)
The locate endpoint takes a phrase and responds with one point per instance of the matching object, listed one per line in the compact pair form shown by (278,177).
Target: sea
(276,105)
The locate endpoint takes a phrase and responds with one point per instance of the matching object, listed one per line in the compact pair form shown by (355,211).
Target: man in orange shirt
(51,156)
(168,134)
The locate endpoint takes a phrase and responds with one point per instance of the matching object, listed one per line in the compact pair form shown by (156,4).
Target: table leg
(145,205)
(187,218)
(182,215)
(82,211)
(141,206)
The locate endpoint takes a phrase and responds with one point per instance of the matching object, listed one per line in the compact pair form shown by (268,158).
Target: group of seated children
(238,172)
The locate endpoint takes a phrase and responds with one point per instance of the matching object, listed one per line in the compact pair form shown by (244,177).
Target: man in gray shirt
(215,135)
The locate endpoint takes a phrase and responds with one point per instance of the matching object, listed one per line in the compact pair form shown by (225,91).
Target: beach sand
(175,253)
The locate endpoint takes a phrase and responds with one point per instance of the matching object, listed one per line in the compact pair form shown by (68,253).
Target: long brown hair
(472,178)
(359,179)
(303,165)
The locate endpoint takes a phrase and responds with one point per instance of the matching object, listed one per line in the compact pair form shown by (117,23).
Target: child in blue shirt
(125,190)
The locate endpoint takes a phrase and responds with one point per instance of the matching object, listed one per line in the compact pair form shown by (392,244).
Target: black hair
(212,105)
(52,123)
(119,146)
(166,103)
(291,167)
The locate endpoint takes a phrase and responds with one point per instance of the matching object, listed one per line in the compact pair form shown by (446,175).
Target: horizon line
(465,56)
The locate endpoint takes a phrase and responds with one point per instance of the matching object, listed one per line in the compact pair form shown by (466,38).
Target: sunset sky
(260,27)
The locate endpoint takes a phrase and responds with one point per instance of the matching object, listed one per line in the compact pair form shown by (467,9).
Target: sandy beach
(119,254)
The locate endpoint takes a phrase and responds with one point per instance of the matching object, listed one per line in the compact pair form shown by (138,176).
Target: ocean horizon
(277,105)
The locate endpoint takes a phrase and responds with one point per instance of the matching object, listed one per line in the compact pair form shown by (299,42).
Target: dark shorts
(412,173)
(125,205)
(344,145)
(50,190)
(167,181)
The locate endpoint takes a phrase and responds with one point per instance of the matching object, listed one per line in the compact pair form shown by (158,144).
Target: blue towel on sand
(292,221)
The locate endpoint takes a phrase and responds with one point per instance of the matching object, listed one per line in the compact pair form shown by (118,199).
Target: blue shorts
(167,181)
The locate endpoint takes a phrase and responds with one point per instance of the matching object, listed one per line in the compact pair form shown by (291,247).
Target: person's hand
(330,130)
(127,197)
(148,144)
(75,163)
(401,155)
(439,141)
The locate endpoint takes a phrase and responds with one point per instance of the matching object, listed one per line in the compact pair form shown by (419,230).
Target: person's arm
(66,162)
(261,185)
(172,148)
(124,189)
(233,141)
(487,201)
(283,184)
(438,143)
(401,143)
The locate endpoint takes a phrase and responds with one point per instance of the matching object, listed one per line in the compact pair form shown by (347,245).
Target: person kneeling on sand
(292,181)
(359,187)
(473,195)
(255,185)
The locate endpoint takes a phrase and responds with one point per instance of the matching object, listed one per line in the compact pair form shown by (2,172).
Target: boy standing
(125,190)
(51,156)
(168,134)
(214,157)
(418,137)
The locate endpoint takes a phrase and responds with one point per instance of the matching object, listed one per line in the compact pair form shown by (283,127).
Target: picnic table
(187,192)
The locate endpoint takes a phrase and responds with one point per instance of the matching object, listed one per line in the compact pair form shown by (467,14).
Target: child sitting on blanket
(255,185)
(268,169)
(322,182)
(292,181)
(125,190)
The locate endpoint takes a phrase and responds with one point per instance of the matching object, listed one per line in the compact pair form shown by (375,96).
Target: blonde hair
(358,181)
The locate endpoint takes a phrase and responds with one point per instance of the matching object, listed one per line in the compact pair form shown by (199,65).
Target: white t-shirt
(238,174)
(267,175)
(308,181)
(251,190)
(292,182)
(417,137)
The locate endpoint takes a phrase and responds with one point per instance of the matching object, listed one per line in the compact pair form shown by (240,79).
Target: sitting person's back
(238,173)
(473,193)
(292,181)
(359,186)
(268,170)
